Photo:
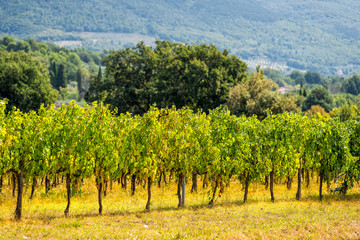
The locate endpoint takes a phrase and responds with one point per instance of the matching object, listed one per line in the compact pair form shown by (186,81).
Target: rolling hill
(318,35)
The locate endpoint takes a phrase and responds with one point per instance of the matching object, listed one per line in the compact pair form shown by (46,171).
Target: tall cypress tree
(79,81)
(61,77)
(99,73)
(53,74)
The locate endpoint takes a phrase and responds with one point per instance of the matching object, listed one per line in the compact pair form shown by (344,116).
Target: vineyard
(72,144)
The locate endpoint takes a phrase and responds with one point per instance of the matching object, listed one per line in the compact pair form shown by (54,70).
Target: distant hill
(318,35)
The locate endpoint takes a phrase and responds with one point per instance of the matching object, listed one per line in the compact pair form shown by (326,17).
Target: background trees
(64,65)
(319,96)
(24,80)
(256,96)
(198,76)
(352,85)
(129,80)
(313,78)
(298,77)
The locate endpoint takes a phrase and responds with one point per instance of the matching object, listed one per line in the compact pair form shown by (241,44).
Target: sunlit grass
(124,216)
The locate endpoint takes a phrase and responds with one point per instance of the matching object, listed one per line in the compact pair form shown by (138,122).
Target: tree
(352,85)
(6,40)
(298,77)
(198,76)
(314,78)
(80,83)
(319,96)
(99,72)
(24,81)
(317,111)
(61,77)
(275,75)
(257,96)
(18,46)
(53,74)
(129,82)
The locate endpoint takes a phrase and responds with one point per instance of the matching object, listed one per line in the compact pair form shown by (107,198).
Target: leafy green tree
(257,96)
(319,96)
(298,77)
(352,85)
(342,99)
(129,82)
(198,76)
(346,113)
(275,75)
(24,81)
(74,59)
(18,46)
(34,46)
(314,78)
(50,53)
(6,41)
(85,56)
(98,90)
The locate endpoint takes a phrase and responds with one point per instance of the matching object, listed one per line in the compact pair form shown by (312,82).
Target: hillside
(313,35)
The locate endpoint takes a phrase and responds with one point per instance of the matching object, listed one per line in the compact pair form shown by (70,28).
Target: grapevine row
(93,142)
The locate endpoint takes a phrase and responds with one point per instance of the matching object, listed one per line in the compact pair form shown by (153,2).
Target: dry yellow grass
(336,217)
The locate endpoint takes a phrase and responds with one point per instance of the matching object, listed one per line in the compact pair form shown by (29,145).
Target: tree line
(198,76)
(175,74)
(60,67)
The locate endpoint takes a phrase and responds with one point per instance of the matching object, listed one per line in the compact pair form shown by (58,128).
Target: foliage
(342,99)
(352,85)
(298,77)
(316,111)
(80,143)
(55,57)
(313,78)
(346,113)
(278,78)
(319,96)
(256,96)
(24,81)
(198,76)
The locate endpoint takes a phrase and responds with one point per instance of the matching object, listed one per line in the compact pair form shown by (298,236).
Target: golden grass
(336,217)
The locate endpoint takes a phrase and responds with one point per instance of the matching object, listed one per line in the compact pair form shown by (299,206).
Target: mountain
(317,35)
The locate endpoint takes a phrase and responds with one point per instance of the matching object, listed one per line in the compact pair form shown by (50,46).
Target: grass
(336,217)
